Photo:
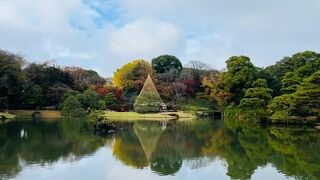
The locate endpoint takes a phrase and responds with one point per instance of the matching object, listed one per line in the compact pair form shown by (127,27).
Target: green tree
(102,105)
(258,96)
(273,82)
(307,96)
(281,107)
(89,98)
(290,82)
(52,79)
(110,100)
(72,107)
(46,75)
(166,63)
(11,79)
(34,95)
(70,93)
(240,75)
(295,62)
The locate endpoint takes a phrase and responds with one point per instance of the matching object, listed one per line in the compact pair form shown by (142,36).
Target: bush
(89,98)
(246,114)
(147,107)
(94,116)
(72,107)
(102,105)
(110,100)
(280,116)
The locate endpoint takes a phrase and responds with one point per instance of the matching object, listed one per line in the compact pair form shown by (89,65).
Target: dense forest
(286,91)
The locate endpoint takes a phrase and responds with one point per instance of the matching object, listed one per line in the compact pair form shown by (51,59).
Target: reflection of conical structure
(149,99)
(148,135)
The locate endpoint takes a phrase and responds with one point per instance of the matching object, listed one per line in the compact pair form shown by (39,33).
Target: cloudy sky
(105,34)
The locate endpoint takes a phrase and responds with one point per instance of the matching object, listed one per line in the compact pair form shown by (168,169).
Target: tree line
(286,91)
(31,85)
(289,88)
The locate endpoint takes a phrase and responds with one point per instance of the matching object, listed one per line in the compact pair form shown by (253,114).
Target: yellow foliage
(130,74)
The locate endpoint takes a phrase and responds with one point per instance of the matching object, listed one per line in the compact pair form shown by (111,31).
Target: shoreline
(133,116)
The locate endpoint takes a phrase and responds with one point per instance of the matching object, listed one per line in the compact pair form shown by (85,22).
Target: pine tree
(307,96)
(290,82)
(258,96)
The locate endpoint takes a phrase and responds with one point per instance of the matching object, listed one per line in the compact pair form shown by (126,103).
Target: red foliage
(104,90)
(190,85)
(118,93)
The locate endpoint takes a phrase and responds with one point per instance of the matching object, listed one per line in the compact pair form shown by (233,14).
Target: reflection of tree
(297,151)
(167,158)
(9,161)
(165,166)
(161,147)
(293,151)
(223,143)
(43,142)
(127,148)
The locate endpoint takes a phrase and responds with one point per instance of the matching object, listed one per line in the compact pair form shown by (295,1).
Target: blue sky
(105,34)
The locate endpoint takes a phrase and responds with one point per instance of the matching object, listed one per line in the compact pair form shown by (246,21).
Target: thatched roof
(149,99)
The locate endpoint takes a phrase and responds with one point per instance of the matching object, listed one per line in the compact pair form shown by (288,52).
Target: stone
(103,127)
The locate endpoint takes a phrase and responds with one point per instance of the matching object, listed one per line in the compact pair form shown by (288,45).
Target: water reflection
(165,148)
(37,142)
(293,151)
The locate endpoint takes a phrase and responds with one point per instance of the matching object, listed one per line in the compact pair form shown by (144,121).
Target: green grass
(133,116)
(7,115)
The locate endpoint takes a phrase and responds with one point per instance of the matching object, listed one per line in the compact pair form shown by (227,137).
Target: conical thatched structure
(149,99)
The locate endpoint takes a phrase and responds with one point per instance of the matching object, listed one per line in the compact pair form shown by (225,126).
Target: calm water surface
(68,149)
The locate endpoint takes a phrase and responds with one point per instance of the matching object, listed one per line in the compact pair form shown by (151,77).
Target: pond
(68,149)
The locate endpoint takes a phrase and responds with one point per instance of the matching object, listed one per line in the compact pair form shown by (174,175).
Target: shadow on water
(166,147)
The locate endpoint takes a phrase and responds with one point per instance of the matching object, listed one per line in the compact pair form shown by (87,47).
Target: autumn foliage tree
(215,89)
(131,77)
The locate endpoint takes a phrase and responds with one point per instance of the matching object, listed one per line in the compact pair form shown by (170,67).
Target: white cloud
(143,38)
(212,49)
(264,30)
(107,34)
(48,29)
(64,52)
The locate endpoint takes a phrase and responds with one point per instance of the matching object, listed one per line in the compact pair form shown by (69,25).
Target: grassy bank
(6,115)
(133,116)
(40,113)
